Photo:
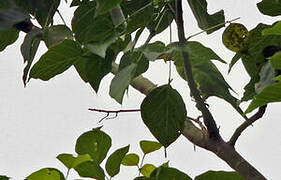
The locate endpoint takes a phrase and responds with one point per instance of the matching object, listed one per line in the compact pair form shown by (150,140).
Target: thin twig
(246,124)
(209,121)
(61,17)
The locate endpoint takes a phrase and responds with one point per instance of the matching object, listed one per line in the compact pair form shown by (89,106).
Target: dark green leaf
(4,177)
(165,173)
(80,66)
(149,146)
(105,6)
(56,34)
(275,60)
(205,20)
(269,94)
(11,16)
(163,112)
(147,169)
(153,51)
(95,143)
(142,178)
(113,162)
(46,174)
(71,162)
(90,169)
(28,50)
(215,175)
(134,58)
(96,68)
(270,7)
(56,60)
(274,30)
(130,160)
(234,61)
(121,82)
(8,37)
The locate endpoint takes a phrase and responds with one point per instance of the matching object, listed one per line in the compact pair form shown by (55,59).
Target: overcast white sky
(45,118)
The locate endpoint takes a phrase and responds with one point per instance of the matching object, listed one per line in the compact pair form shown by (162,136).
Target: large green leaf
(205,20)
(166,173)
(163,112)
(90,169)
(56,60)
(269,94)
(121,82)
(56,34)
(28,50)
(105,6)
(96,143)
(130,160)
(149,146)
(113,162)
(270,7)
(89,29)
(8,37)
(153,51)
(46,174)
(71,162)
(223,175)
(134,58)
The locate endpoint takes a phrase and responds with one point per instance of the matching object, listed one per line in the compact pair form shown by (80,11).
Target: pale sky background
(45,118)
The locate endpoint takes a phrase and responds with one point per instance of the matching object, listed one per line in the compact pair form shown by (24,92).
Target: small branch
(118,111)
(246,124)
(207,116)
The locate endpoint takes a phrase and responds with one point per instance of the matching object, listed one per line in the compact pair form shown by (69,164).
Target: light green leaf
(270,7)
(121,82)
(149,146)
(130,160)
(163,112)
(274,30)
(113,162)
(56,60)
(205,20)
(147,169)
(166,173)
(223,175)
(90,169)
(96,143)
(46,174)
(105,6)
(267,74)
(71,162)
(275,60)
(8,37)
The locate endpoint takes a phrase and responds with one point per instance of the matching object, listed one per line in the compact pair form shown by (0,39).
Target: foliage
(94,40)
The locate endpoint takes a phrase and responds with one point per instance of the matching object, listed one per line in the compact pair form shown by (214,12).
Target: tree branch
(246,124)
(207,116)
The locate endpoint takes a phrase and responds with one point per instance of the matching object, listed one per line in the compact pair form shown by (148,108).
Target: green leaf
(269,94)
(96,68)
(215,175)
(4,177)
(105,6)
(11,16)
(96,143)
(166,173)
(234,60)
(205,20)
(89,29)
(29,48)
(90,169)
(274,30)
(270,7)
(147,169)
(153,51)
(130,160)
(275,60)
(134,58)
(121,82)
(56,34)
(267,74)
(8,37)
(113,162)
(149,146)
(46,174)
(71,162)
(163,112)
(56,60)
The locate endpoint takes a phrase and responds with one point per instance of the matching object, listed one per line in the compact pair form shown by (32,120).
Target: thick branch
(207,116)
(246,124)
